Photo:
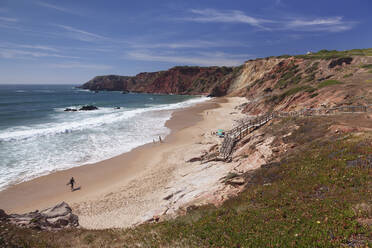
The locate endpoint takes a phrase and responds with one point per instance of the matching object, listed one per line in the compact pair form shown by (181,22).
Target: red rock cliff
(177,80)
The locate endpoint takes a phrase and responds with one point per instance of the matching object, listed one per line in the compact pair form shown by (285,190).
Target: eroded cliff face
(276,83)
(178,80)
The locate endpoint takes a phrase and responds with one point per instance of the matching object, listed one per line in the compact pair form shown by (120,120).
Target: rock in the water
(70,109)
(125,92)
(57,217)
(88,107)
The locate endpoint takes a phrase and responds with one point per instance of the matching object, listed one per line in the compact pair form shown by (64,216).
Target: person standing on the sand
(71,182)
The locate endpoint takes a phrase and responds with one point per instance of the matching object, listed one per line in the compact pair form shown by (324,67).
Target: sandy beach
(151,180)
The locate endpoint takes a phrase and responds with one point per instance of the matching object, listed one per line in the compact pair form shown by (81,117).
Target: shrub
(348,75)
(366,66)
(326,83)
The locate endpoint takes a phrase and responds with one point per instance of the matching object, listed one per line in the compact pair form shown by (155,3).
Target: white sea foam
(76,138)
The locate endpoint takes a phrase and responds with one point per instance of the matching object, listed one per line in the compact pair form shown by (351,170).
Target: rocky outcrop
(88,107)
(54,218)
(340,61)
(181,80)
(83,108)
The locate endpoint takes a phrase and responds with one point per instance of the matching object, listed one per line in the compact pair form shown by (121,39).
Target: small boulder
(70,110)
(54,218)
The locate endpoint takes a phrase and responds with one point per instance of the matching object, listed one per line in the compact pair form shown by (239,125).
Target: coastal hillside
(300,180)
(326,78)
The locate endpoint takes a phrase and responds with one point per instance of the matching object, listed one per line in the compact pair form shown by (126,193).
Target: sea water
(38,137)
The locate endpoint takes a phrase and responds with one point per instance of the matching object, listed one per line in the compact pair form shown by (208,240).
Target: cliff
(177,80)
(286,82)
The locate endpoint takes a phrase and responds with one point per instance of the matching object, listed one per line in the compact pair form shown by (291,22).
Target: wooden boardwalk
(249,125)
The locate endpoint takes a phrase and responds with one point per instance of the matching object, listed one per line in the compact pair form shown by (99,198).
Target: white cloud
(188,44)
(206,59)
(324,24)
(39,47)
(8,19)
(228,16)
(74,65)
(17,54)
(331,24)
(55,7)
(80,34)
(27,46)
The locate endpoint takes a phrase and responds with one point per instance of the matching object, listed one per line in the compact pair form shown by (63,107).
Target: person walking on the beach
(160,139)
(71,182)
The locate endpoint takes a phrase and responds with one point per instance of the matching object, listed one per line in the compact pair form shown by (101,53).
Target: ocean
(38,137)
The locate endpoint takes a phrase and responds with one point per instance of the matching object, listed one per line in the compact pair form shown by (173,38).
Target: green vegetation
(313,67)
(314,95)
(290,92)
(370,71)
(318,196)
(348,75)
(310,77)
(290,77)
(366,66)
(326,83)
(333,54)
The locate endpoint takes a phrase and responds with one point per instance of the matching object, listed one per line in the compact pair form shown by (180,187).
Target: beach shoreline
(131,184)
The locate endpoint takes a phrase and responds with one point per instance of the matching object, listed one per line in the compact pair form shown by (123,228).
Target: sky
(69,41)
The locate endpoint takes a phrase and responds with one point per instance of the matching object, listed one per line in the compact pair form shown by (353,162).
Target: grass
(366,66)
(333,54)
(290,92)
(311,198)
(370,71)
(312,68)
(348,75)
(289,77)
(326,83)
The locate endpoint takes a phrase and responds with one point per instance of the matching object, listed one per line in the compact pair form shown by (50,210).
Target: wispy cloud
(331,24)
(23,54)
(39,47)
(228,16)
(326,24)
(201,59)
(188,44)
(80,34)
(8,19)
(56,7)
(72,65)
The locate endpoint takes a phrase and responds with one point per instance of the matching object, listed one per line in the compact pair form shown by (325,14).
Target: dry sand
(153,179)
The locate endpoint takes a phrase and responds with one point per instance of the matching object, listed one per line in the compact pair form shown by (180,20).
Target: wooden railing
(247,126)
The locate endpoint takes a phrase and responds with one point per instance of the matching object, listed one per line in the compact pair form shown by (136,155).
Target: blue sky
(49,41)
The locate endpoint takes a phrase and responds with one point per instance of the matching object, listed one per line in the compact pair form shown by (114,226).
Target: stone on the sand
(57,217)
